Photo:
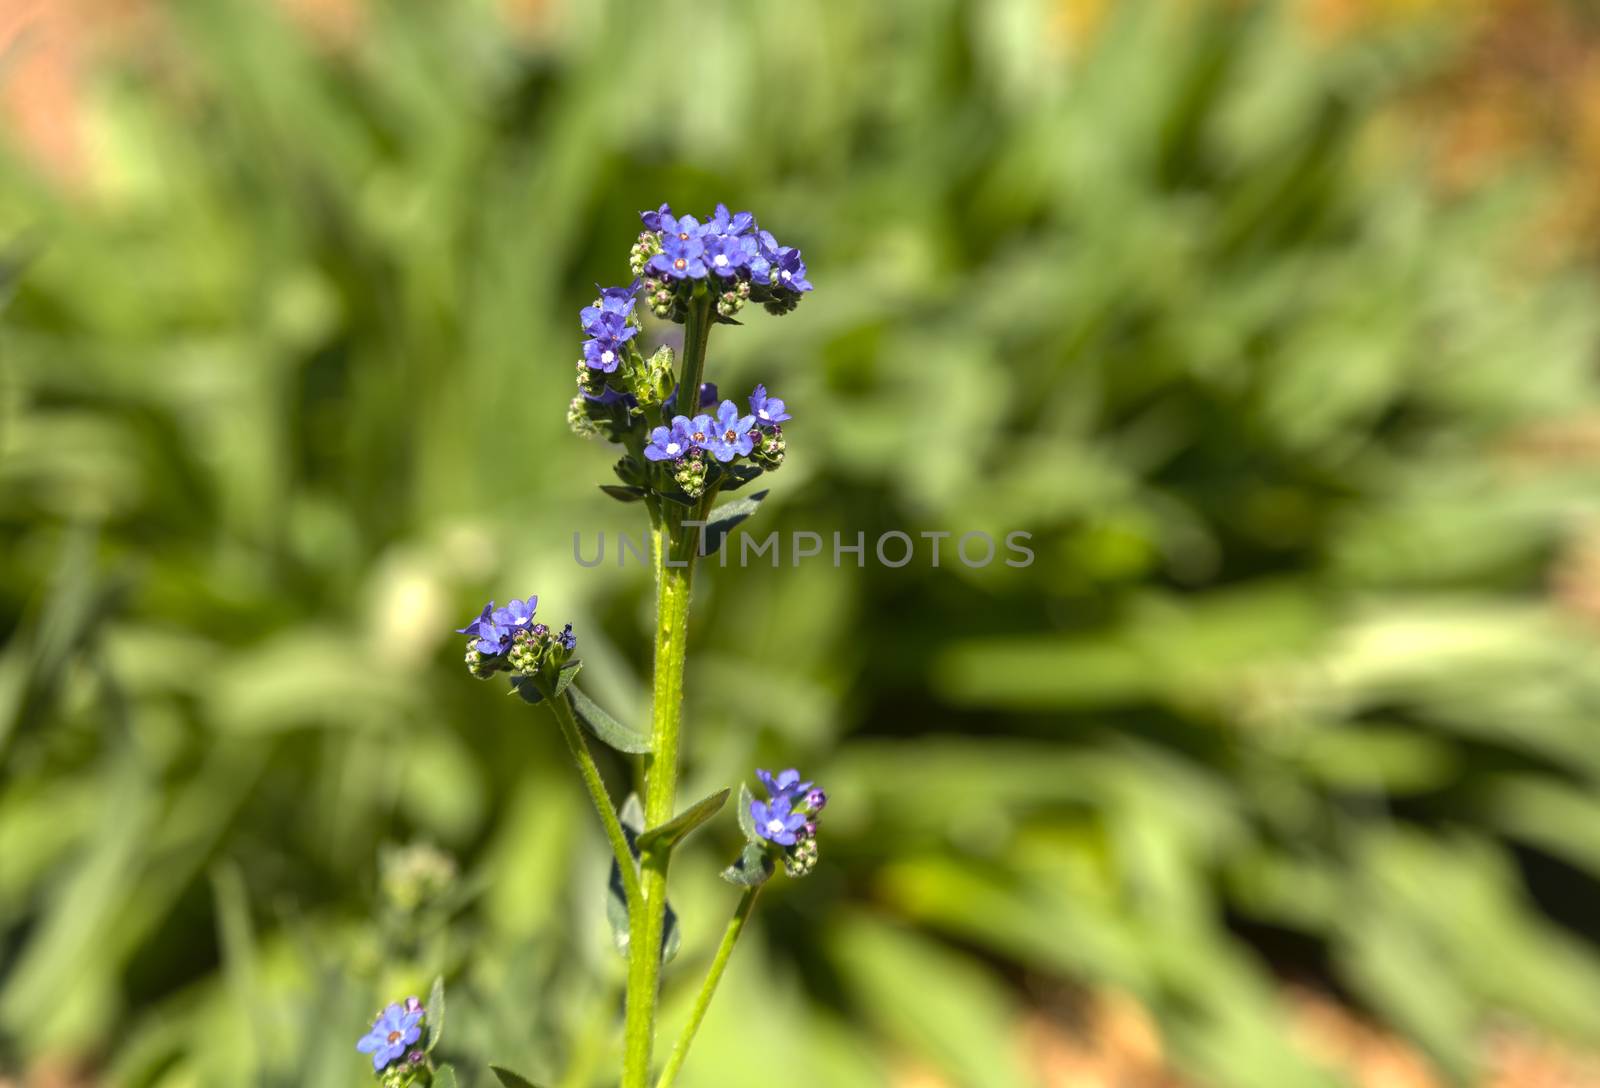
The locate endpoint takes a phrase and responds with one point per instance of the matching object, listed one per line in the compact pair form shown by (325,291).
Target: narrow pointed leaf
(445,1077)
(724,518)
(568,673)
(747,822)
(435,1017)
(524,687)
(508,1078)
(603,726)
(669,834)
(631,816)
(623,494)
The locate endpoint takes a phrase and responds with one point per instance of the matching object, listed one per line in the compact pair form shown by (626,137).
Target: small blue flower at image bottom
(395,1029)
(767,410)
(775,821)
(730,437)
(670,443)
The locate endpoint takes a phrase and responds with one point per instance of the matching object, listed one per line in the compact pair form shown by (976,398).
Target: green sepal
(724,518)
(623,494)
(753,868)
(679,497)
(631,816)
(525,687)
(445,1077)
(630,472)
(435,1017)
(668,835)
(747,822)
(510,1079)
(606,729)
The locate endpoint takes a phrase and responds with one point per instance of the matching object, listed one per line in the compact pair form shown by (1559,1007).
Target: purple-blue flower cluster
(397,1030)
(730,249)
(509,639)
(789,816)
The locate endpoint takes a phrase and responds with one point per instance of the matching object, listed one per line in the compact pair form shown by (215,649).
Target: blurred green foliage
(1282,694)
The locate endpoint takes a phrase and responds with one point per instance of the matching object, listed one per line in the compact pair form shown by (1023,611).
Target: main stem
(674,567)
(708,988)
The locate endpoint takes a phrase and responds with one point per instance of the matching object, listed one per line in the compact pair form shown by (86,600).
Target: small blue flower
(670,443)
(723,223)
(614,301)
(701,428)
(789,270)
(767,410)
(708,397)
(775,822)
(761,254)
(725,255)
(474,625)
(567,639)
(602,355)
(682,249)
(516,615)
(730,437)
(395,1029)
(652,220)
(783,784)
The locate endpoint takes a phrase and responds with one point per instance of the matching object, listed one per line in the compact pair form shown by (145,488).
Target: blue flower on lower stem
(783,784)
(730,436)
(392,1032)
(670,443)
(767,410)
(775,821)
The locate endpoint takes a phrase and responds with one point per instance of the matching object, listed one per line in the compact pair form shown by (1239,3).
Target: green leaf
(510,1079)
(524,686)
(568,673)
(444,1077)
(736,476)
(631,816)
(747,822)
(435,1013)
(753,868)
(623,494)
(604,727)
(668,835)
(724,518)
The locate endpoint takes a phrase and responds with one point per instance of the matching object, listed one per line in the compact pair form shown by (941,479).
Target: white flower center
(607,356)
(720,261)
(673,447)
(786,274)
(775,827)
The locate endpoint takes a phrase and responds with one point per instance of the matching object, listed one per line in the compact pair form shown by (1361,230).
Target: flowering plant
(680,451)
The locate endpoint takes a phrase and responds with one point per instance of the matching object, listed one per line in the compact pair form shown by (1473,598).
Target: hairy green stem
(597,793)
(674,568)
(708,988)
